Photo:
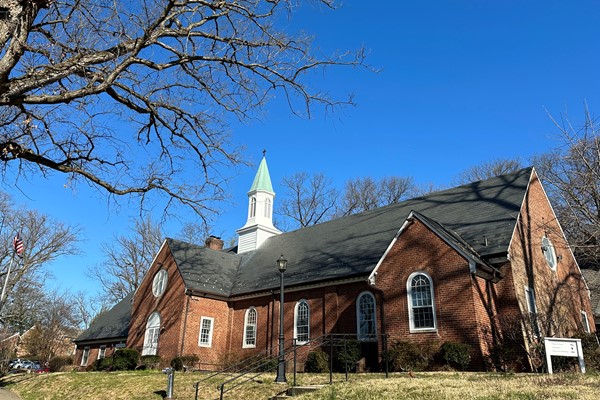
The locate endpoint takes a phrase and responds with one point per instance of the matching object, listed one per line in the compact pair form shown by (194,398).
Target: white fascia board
(164,243)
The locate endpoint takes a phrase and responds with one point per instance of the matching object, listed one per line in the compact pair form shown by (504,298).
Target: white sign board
(565,348)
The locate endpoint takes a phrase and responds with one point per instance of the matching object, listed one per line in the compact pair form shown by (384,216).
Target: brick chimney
(214,242)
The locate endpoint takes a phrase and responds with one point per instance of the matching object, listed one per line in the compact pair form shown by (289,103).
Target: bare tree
(489,169)
(130,95)
(126,260)
(308,199)
(572,179)
(363,194)
(45,240)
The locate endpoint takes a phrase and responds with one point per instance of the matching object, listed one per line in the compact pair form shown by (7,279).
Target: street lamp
(282,265)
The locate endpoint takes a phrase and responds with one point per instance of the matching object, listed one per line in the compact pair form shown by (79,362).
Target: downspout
(272,322)
(187,308)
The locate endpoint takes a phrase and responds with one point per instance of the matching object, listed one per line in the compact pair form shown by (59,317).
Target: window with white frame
(302,322)
(268,207)
(159,284)
(250,328)
(532,310)
(549,252)
(365,317)
(206,332)
(85,356)
(421,308)
(151,336)
(585,322)
(102,352)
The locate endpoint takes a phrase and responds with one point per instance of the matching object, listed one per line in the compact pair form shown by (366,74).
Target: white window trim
(529,292)
(245,345)
(296,321)
(586,322)
(549,247)
(252,212)
(411,317)
(369,337)
(210,332)
(159,283)
(101,352)
(85,356)
(150,346)
(268,205)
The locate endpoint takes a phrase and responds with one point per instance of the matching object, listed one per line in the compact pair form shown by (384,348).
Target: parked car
(20,364)
(14,361)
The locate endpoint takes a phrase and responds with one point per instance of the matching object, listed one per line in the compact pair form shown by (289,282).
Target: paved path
(6,394)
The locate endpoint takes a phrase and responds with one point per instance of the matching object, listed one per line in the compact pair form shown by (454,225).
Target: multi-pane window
(102,352)
(421,308)
(532,310)
(206,330)
(365,317)
(302,322)
(152,334)
(250,328)
(159,283)
(85,356)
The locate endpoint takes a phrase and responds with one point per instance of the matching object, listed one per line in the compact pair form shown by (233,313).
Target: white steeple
(259,225)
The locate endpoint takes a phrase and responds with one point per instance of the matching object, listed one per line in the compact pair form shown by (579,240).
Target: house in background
(453,265)
(592,278)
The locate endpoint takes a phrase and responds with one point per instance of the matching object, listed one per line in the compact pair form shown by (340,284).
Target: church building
(452,265)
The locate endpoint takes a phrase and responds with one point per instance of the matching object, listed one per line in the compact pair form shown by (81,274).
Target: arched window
(152,333)
(365,317)
(421,309)
(252,207)
(302,322)
(268,207)
(250,328)
(159,284)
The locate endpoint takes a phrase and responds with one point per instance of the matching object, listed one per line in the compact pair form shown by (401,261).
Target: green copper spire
(262,180)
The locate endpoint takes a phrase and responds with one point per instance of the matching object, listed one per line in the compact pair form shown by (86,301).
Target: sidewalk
(8,395)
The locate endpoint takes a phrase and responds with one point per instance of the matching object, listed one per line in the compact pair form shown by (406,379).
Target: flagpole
(6,280)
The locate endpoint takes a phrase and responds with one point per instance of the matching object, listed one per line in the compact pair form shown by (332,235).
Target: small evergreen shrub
(177,364)
(150,361)
(125,359)
(456,355)
(58,364)
(345,355)
(406,356)
(317,361)
(103,364)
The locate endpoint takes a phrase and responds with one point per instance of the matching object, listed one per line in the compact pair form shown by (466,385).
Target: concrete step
(296,391)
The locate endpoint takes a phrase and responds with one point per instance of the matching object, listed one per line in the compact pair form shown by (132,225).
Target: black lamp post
(281,264)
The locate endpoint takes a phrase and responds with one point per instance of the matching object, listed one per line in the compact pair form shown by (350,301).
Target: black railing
(251,368)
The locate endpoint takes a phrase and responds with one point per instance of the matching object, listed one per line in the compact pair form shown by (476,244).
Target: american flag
(18,245)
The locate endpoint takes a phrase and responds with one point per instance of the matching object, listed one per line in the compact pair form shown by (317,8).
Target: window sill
(427,330)
(207,345)
(248,346)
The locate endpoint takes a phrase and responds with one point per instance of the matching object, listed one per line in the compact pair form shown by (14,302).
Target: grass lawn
(431,385)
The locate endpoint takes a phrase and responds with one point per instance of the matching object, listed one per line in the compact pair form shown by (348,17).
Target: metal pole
(295,360)
(6,281)
(330,359)
(281,364)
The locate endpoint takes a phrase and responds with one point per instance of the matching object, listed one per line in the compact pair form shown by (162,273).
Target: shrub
(125,359)
(409,356)
(189,361)
(58,364)
(506,357)
(345,355)
(177,364)
(317,361)
(102,364)
(268,364)
(456,355)
(150,361)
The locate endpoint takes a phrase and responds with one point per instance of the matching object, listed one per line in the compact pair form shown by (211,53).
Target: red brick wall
(457,297)
(560,295)
(171,306)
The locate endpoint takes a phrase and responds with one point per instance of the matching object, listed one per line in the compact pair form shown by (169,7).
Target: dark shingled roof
(480,217)
(111,324)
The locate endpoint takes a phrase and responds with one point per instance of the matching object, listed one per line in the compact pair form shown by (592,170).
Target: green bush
(177,364)
(317,361)
(103,364)
(456,355)
(125,359)
(150,361)
(58,364)
(409,356)
(345,355)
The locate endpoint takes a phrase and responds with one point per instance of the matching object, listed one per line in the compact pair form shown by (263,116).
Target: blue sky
(459,83)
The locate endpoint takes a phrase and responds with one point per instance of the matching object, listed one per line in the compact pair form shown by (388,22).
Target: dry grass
(436,385)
